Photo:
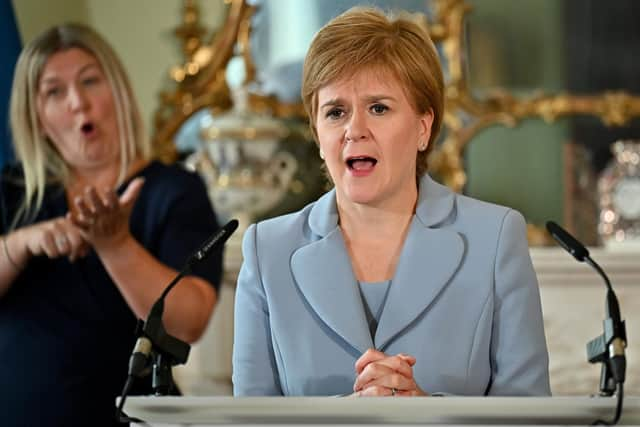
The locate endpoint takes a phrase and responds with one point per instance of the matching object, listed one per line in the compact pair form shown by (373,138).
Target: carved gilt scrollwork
(200,82)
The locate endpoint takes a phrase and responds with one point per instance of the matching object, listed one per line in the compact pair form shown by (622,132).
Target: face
(76,111)
(370,135)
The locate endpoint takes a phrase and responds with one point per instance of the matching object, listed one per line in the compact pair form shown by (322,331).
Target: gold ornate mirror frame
(200,82)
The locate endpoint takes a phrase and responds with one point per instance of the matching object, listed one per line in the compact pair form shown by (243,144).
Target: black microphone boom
(567,241)
(607,348)
(153,340)
(153,328)
(213,242)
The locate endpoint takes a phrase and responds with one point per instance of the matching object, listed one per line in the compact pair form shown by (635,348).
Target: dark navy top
(66,332)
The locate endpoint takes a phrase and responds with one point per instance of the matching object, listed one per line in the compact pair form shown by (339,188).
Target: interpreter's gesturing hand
(54,238)
(382,375)
(103,218)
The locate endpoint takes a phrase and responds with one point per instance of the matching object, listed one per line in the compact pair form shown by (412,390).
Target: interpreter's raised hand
(54,238)
(381,375)
(103,217)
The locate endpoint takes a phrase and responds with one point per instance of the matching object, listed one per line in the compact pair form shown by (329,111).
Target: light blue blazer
(464,301)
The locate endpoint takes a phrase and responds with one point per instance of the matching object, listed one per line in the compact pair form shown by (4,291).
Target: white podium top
(429,410)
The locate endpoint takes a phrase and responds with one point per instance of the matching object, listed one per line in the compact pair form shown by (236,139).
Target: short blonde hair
(367,38)
(40,161)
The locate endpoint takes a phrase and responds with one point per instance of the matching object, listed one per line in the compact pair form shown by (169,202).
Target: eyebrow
(368,99)
(84,68)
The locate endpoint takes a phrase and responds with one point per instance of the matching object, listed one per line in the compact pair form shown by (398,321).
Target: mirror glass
(283,30)
(518,46)
(520,167)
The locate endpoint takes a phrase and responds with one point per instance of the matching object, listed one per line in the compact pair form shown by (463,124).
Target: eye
(90,80)
(334,113)
(379,109)
(52,92)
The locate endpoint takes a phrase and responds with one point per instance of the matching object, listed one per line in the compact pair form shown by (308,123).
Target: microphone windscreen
(217,240)
(567,241)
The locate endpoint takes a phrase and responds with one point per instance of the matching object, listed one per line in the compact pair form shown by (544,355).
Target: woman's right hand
(379,374)
(54,238)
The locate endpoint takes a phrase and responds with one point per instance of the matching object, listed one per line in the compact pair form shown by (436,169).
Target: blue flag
(9,51)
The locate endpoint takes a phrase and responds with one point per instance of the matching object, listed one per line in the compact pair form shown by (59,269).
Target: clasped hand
(382,375)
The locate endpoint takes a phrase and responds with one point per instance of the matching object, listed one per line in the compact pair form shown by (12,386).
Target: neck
(100,178)
(376,222)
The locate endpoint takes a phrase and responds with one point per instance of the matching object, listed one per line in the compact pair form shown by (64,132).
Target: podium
(209,411)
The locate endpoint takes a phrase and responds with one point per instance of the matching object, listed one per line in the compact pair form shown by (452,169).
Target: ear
(426,122)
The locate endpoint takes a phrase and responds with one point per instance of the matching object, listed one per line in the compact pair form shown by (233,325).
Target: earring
(422,147)
(321,154)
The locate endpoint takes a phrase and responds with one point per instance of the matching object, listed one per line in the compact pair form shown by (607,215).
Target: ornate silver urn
(245,170)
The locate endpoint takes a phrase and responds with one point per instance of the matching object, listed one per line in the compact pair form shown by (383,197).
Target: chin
(361,196)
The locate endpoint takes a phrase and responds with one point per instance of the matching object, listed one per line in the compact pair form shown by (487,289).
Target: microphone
(218,239)
(153,332)
(567,241)
(609,347)
(213,242)
(152,336)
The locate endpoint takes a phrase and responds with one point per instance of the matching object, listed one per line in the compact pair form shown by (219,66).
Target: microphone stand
(164,350)
(167,350)
(154,342)
(607,348)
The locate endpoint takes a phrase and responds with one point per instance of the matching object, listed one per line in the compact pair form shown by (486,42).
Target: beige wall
(141,31)
(34,16)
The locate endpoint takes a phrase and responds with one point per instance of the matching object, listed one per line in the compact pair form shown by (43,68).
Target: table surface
(430,410)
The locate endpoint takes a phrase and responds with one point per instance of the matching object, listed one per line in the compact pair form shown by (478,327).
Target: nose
(77,99)
(357,127)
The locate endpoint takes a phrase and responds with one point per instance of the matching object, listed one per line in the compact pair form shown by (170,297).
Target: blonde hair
(367,38)
(41,163)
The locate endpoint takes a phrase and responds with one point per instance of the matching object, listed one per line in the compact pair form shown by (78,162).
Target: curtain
(9,50)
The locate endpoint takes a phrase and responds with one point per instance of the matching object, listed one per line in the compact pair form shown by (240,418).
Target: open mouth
(361,163)
(87,128)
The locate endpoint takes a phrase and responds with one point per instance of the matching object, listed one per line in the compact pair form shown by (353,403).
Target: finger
(370,373)
(81,222)
(94,201)
(132,192)
(374,391)
(110,199)
(58,233)
(371,355)
(76,240)
(82,208)
(62,243)
(411,360)
(399,364)
(394,380)
(48,244)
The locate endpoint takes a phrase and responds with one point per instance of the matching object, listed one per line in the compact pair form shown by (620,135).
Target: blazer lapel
(429,259)
(322,272)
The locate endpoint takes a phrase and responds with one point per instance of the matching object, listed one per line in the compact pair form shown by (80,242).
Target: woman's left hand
(383,375)
(104,218)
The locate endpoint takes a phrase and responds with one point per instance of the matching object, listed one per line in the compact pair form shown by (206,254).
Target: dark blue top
(66,332)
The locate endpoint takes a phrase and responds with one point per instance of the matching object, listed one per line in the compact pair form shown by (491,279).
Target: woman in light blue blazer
(390,284)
